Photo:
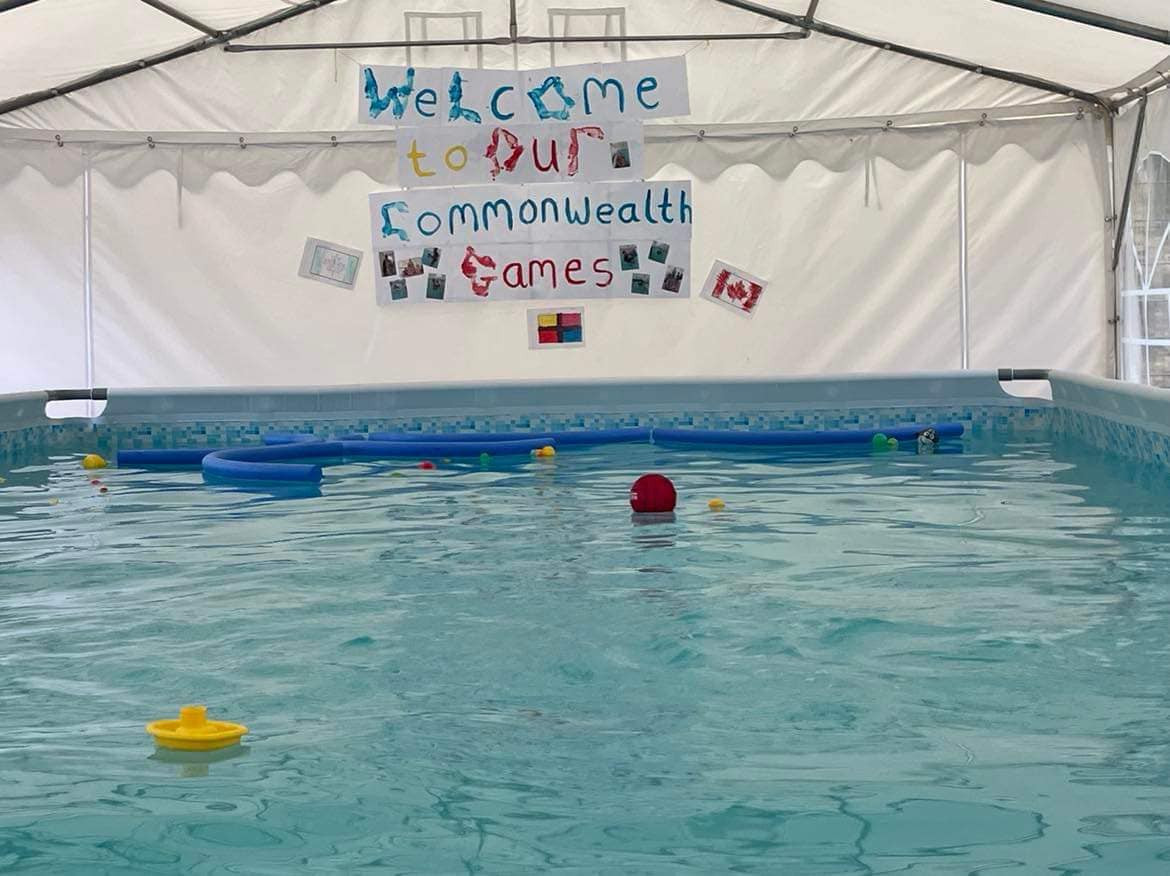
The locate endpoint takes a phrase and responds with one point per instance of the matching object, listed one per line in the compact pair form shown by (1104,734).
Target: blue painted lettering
(495,104)
(647,83)
(426,97)
(394,97)
(536,95)
(455,92)
(438,222)
(604,88)
(388,229)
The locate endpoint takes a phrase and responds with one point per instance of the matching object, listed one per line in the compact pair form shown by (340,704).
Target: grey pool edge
(1130,420)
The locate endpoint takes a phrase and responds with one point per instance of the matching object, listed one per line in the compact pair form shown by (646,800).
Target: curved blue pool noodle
(563,438)
(263,463)
(795,437)
(178,456)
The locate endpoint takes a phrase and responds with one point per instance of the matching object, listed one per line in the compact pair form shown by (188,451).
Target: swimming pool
(868,662)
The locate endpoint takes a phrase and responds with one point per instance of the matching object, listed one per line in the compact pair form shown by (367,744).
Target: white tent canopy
(926,183)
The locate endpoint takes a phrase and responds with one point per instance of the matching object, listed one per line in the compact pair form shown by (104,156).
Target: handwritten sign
(660,210)
(449,155)
(621,268)
(588,93)
(560,240)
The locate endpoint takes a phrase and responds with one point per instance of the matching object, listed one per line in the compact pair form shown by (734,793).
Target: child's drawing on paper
(734,288)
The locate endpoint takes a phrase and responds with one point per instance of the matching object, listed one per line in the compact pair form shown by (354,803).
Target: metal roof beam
(517,41)
(167,9)
(1091,19)
(945,60)
(119,70)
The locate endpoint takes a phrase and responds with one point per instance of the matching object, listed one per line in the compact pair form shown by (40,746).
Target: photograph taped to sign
(407,274)
(586,93)
(451,156)
(329,263)
(734,288)
(659,210)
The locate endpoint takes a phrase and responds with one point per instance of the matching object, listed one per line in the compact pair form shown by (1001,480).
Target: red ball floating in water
(426,464)
(653,493)
(104,490)
(95,482)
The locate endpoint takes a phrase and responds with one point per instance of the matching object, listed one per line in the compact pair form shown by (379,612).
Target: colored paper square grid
(556,328)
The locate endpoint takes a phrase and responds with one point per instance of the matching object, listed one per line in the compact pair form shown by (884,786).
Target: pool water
(866,664)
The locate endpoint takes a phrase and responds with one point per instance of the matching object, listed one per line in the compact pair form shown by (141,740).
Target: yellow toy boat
(193,732)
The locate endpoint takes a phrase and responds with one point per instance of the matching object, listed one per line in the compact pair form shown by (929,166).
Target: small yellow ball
(54,500)
(548,450)
(92,460)
(892,444)
(716,504)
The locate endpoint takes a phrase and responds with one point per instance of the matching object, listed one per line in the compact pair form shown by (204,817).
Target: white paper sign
(450,155)
(584,94)
(625,268)
(618,211)
(734,288)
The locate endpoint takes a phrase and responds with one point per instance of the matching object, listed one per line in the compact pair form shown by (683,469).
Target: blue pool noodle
(179,456)
(264,463)
(797,437)
(564,438)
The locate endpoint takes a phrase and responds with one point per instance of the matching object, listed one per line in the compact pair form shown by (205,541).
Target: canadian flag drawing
(734,288)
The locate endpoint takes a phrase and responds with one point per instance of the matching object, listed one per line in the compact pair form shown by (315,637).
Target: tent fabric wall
(855,219)
(196,286)
(730,82)
(44,44)
(1037,245)
(42,298)
(220,307)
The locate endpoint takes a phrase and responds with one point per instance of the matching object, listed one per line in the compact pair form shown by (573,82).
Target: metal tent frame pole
(1091,19)
(1143,93)
(805,24)
(947,61)
(199,45)
(195,23)
(518,41)
(1123,216)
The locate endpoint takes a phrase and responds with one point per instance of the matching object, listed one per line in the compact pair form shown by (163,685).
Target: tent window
(422,26)
(1146,276)
(601,21)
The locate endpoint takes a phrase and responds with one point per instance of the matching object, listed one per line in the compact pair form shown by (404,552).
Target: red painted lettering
(600,267)
(572,266)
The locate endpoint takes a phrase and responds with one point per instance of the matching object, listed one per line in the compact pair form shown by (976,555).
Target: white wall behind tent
(194,243)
